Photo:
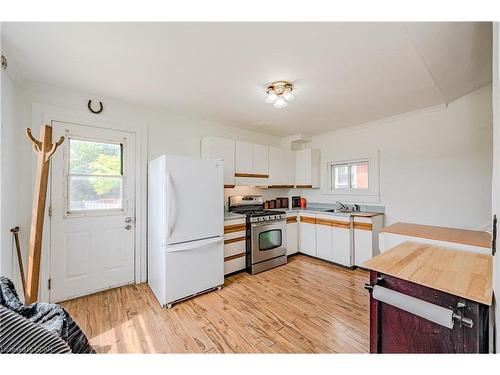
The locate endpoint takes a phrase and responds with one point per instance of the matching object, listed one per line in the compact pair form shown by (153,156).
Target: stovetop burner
(259,212)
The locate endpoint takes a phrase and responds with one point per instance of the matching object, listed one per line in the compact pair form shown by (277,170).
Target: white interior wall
(435,165)
(496,171)
(10,134)
(167,133)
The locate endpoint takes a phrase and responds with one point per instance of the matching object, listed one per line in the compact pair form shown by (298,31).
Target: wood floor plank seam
(306,306)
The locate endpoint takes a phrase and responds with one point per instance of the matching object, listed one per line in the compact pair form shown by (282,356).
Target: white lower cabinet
(324,237)
(292,235)
(342,240)
(234,246)
(366,238)
(307,234)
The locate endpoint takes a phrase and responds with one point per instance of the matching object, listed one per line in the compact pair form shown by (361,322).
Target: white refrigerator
(185,227)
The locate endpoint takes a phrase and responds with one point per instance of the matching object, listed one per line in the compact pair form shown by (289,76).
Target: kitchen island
(429,299)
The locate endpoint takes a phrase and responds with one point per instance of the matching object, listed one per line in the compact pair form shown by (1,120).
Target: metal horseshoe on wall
(89,105)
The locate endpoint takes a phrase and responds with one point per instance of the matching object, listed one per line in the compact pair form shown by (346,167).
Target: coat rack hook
(89,105)
(54,148)
(36,143)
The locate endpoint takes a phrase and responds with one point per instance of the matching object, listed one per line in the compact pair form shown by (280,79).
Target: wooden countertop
(460,273)
(462,236)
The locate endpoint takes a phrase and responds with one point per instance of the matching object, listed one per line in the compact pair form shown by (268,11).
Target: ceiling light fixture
(279,93)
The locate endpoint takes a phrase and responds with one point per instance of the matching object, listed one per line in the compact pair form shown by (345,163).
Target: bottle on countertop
(303,202)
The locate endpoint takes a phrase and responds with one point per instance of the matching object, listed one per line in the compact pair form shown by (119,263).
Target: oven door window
(270,239)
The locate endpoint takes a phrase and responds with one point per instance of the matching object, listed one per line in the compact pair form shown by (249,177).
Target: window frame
(68,213)
(349,163)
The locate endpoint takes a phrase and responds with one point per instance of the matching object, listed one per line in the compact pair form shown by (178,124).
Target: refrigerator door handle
(169,206)
(195,245)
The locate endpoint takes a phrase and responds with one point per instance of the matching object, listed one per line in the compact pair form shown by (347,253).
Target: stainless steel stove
(265,233)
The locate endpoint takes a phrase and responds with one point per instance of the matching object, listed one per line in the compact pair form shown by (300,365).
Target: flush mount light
(279,93)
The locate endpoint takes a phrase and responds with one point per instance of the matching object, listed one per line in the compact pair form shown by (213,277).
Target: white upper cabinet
(281,167)
(244,157)
(275,166)
(252,160)
(260,159)
(288,158)
(307,168)
(220,148)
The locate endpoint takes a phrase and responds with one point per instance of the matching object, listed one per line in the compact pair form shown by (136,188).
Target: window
(95,176)
(349,175)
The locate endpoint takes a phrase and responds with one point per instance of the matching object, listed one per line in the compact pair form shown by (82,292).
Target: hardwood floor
(307,306)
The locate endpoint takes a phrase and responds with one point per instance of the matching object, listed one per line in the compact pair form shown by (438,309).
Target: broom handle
(15,231)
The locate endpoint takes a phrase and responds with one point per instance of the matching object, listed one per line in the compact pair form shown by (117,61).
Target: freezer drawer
(192,268)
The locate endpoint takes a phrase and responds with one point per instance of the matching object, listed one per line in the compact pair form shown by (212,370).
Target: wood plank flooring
(306,306)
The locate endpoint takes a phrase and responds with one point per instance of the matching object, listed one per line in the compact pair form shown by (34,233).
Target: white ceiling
(345,73)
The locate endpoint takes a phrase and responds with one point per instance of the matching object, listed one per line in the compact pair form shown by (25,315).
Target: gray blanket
(50,316)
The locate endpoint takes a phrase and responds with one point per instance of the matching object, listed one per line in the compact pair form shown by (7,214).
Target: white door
(195,198)
(92,211)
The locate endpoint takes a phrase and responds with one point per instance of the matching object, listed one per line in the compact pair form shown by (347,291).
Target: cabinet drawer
(234,246)
(234,227)
(234,263)
(363,223)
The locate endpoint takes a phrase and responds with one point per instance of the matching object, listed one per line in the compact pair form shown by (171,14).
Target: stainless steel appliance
(265,233)
(296,202)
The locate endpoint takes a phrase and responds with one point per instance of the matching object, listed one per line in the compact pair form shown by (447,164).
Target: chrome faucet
(342,205)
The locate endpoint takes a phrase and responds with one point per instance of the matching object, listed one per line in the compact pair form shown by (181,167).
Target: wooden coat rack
(44,149)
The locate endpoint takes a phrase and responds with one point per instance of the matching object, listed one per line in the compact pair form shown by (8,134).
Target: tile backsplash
(267,194)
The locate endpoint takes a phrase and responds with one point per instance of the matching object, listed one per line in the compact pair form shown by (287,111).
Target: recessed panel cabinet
(366,238)
(307,235)
(220,148)
(307,168)
(275,166)
(252,160)
(292,235)
(342,240)
(324,237)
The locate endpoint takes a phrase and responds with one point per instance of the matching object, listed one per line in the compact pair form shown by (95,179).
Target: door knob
(128,227)
(129,220)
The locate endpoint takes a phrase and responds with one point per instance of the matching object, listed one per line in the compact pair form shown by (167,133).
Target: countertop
(323,211)
(233,216)
(460,273)
(461,236)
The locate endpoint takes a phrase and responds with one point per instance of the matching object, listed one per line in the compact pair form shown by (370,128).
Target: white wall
(166,133)
(9,197)
(435,165)
(496,169)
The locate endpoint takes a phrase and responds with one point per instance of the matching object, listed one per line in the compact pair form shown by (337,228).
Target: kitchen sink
(339,210)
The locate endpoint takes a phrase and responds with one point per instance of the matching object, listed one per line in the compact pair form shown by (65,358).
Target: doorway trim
(46,114)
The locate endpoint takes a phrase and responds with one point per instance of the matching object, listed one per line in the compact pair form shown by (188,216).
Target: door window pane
(95,178)
(341,179)
(270,239)
(95,158)
(95,193)
(359,176)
